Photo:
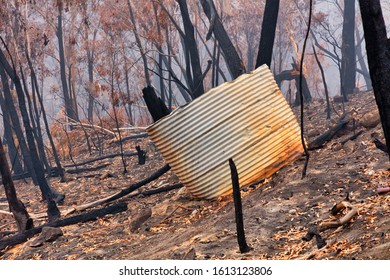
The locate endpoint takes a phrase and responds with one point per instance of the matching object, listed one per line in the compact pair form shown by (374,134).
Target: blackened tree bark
(34,83)
(9,104)
(348,60)
(192,49)
(235,65)
(23,220)
(378,56)
(268,28)
(47,193)
(8,136)
(156,107)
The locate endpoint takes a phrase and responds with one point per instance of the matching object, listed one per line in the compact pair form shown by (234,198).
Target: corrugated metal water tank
(247,120)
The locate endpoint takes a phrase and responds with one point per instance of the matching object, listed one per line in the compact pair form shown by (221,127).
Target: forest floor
(277,213)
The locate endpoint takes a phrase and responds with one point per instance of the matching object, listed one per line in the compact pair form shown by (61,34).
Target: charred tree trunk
(238,209)
(47,193)
(305,88)
(16,165)
(378,49)
(348,60)
(70,111)
(191,47)
(23,220)
(268,28)
(54,150)
(155,105)
(9,103)
(235,65)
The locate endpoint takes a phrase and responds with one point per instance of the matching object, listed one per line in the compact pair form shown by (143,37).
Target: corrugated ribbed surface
(247,119)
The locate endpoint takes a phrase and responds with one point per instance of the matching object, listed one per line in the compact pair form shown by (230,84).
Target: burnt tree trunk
(155,105)
(238,209)
(378,55)
(82,218)
(16,165)
(235,65)
(70,111)
(39,96)
(47,193)
(348,60)
(305,88)
(9,103)
(23,220)
(141,155)
(268,28)
(192,49)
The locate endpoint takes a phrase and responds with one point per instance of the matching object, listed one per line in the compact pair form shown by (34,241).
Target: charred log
(328,135)
(82,218)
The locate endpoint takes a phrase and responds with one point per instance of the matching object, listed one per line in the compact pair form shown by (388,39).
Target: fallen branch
(383,190)
(88,169)
(352,211)
(380,145)
(116,195)
(7,213)
(161,190)
(101,158)
(328,135)
(94,126)
(85,217)
(135,186)
(353,137)
(315,231)
(131,128)
(130,137)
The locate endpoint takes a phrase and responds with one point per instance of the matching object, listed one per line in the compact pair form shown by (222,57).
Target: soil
(277,212)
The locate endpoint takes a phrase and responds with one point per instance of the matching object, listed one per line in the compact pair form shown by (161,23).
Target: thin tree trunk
(139,44)
(61,50)
(129,101)
(53,148)
(328,110)
(363,65)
